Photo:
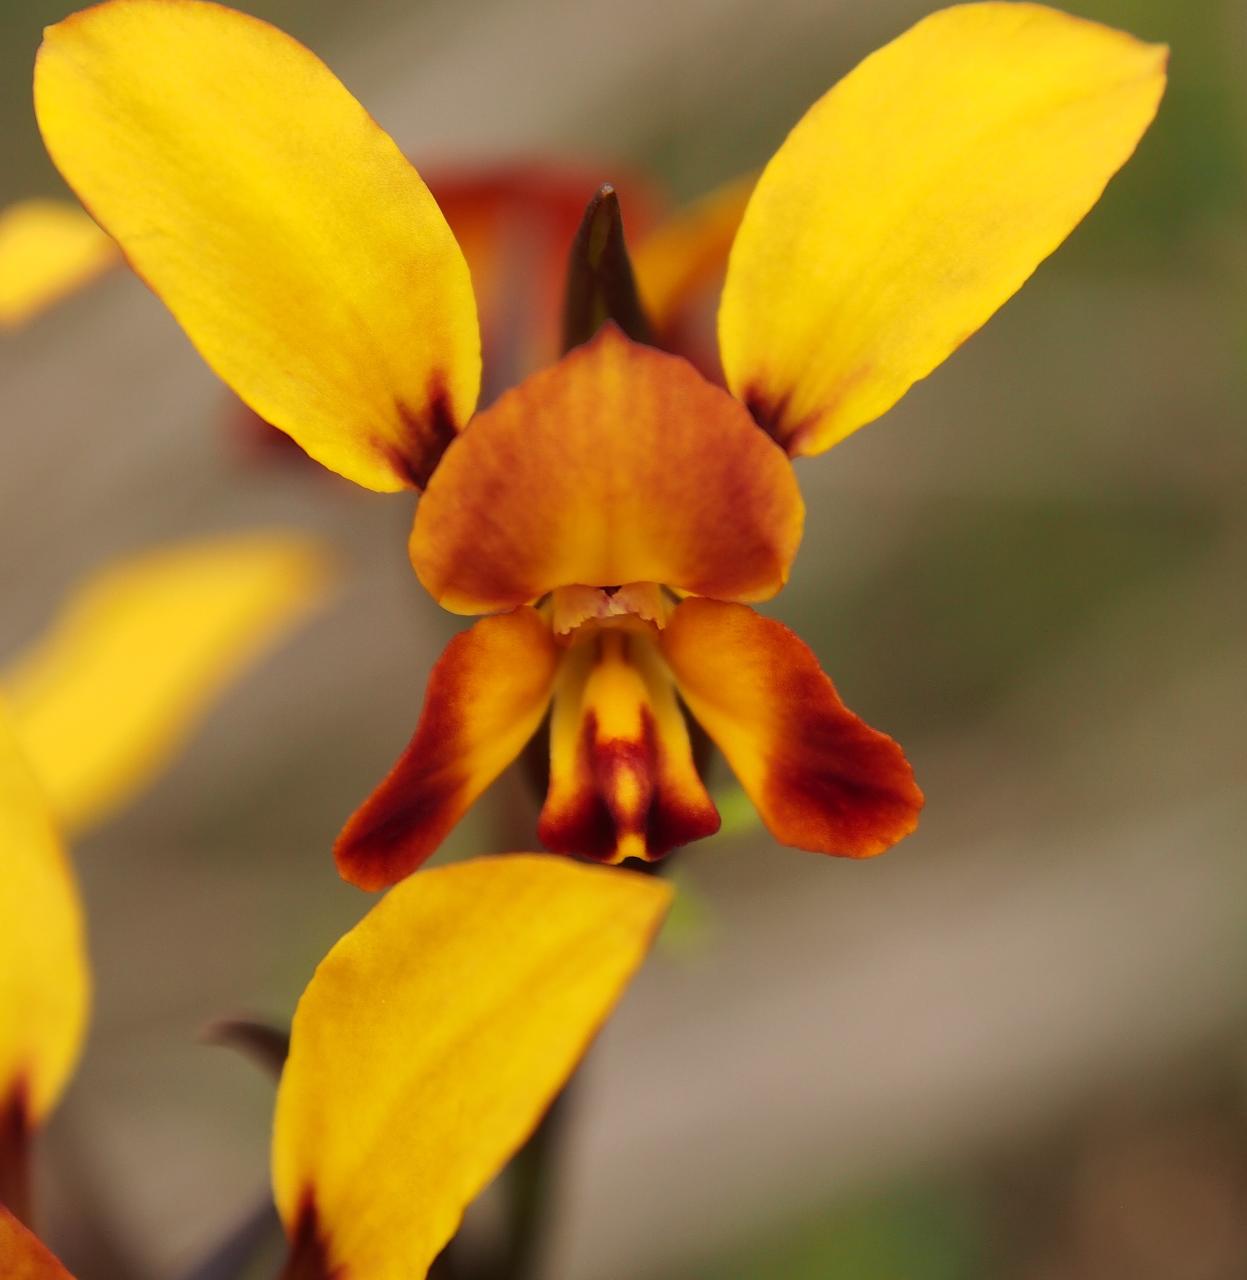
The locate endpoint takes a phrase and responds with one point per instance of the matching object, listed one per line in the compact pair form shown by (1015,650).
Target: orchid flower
(424,1051)
(90,714)
(616,514)
(141,650)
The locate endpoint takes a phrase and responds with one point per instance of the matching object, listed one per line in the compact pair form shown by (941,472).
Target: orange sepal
(821,779)
(486,696)
(618,464)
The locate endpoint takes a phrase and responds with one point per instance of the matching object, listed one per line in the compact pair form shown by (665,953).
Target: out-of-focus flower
(88,717)
(140,652)
(45,985)
(424,1051)
(312,269)
(679,271)
(48,248)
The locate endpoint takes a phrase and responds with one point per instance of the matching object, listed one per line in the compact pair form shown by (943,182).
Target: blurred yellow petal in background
(291,239)
(48,248)
(45,982)
(139,653)
(914,199)
(431,1040)
(688,251)
(22,1256)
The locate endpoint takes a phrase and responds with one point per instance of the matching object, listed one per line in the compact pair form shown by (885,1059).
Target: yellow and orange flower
(394,1112)
(89,715)
(616,513)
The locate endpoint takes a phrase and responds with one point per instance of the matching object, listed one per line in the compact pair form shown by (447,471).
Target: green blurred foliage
(926,1231)
(996,588)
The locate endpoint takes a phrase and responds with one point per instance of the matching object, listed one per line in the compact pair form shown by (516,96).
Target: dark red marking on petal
(412,811)
(485,678)
(429,434)
(16,1130)
(855,778)
(827,781)
(308,1258)
(764,410)
(596,821)
(770,412)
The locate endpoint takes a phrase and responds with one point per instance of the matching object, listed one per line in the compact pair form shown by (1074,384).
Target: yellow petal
(47,249)
(432,1038)
(22,1256)
(914,199)
(283,228)
(140,652)
(44,980)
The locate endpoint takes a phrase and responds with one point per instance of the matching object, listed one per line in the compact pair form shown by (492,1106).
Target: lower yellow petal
(300,251)
(44,978)
(48,249)
(141,651)
(914,199)
(23,1256)
(431,1040)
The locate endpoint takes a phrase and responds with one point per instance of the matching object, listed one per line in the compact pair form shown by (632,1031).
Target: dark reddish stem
(15,1150)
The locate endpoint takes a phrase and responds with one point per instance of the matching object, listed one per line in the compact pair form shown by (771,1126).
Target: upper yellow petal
(48,248)
(432,1038)
(140,652)
(914,199)
(23,1256)
(45,985)
(283,228)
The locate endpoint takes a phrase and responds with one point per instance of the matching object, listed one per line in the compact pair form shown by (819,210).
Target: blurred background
(1014,1047)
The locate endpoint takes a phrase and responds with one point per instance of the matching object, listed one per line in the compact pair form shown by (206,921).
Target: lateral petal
(821,779)
(486,697)
(622,779)
(140,652)
(300,251)
(432,1038)
(48,249)
(914,199)
(23,1256)
(45,985)
(618,464)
